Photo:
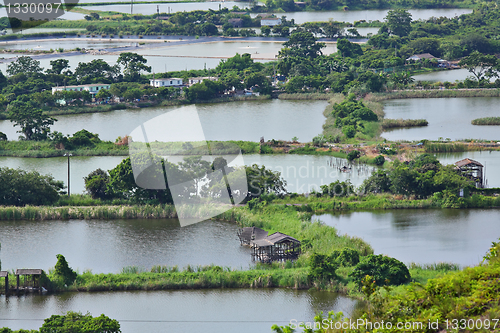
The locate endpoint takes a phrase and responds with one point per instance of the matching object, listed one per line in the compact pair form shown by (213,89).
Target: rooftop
(467,161)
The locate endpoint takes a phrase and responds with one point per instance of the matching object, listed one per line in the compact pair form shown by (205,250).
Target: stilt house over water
(472,170)
(267,248)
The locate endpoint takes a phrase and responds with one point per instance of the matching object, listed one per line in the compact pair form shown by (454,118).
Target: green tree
(63,271)
(265,30)
(399,22)
(96,71)
(103,94)
(133,64)
(301,44)
(73,322)
(96,184)
(322,267)
(20,188)
(263,181)
(348,49)
(384,270)
(480,65)
(35,125)
(26,65)
(58,66)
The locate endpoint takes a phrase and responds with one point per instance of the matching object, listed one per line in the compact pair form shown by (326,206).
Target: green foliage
(322,267)
(263,181)
(399,22)
(35,125)
(96,184)
(346,257)
(77,322)
(384,270)
(20,188)
(353,155)
(63,271)
(379,160)
(337,189)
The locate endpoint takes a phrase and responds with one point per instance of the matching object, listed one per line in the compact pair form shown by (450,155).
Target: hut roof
(28,271)
(467,161)
(278,237)
(253,233)
(3,274)
(275,238)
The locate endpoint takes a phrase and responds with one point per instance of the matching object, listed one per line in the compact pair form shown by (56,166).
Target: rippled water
(184,311)
(423,236)
(447,117)
(107,246)
(273,119)
(301,172)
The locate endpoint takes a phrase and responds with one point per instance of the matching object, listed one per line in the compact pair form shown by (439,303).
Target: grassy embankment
(486,121)
(315,237)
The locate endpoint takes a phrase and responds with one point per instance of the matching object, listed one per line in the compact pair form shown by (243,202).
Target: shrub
(322,267)
(63,270)
(379,160)
(353,155)
(346,257)
(384,270)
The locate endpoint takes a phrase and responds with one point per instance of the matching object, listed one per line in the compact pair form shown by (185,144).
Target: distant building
(91,88)
(194,80)
(270,21)
(418,57)
(236,22)
(171,82)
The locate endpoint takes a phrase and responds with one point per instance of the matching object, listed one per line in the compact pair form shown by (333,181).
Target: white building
(194,80)
(270,21)
(91,88)
(171,82)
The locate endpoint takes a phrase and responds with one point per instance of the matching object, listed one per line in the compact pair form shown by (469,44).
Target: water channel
(302,173)
(184,311)
(273,119)
(447,117)
(423,236)
(107,246)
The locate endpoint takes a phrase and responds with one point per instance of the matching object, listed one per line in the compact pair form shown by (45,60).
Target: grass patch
(398,123)
(486,121)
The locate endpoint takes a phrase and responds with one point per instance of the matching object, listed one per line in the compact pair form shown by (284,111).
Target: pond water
(490,160)
(367,15)
(150,9)
(107,246)
(56,43)
(209,311)
(67,15)
(169,56)
(258,49)
(423,236)
(447,117)
(273,119)
(301,172)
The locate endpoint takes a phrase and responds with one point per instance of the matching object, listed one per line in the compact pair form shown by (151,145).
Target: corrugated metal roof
(467,161)
(278,237)
(28,271)
(3,274)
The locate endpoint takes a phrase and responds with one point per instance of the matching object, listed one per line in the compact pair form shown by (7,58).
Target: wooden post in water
(5,275)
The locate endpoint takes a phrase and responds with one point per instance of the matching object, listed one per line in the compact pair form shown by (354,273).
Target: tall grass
(486,121)
(395,123)
(306,97)
(434,93)
(444,147)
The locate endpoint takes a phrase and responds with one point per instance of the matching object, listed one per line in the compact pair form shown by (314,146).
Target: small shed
(30,281)
(472,170)
(267,248)
(275,247)
(236,22)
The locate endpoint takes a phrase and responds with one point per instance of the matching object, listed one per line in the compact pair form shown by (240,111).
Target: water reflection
(447,117)
(423,236)
(210,311)
(108,246)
